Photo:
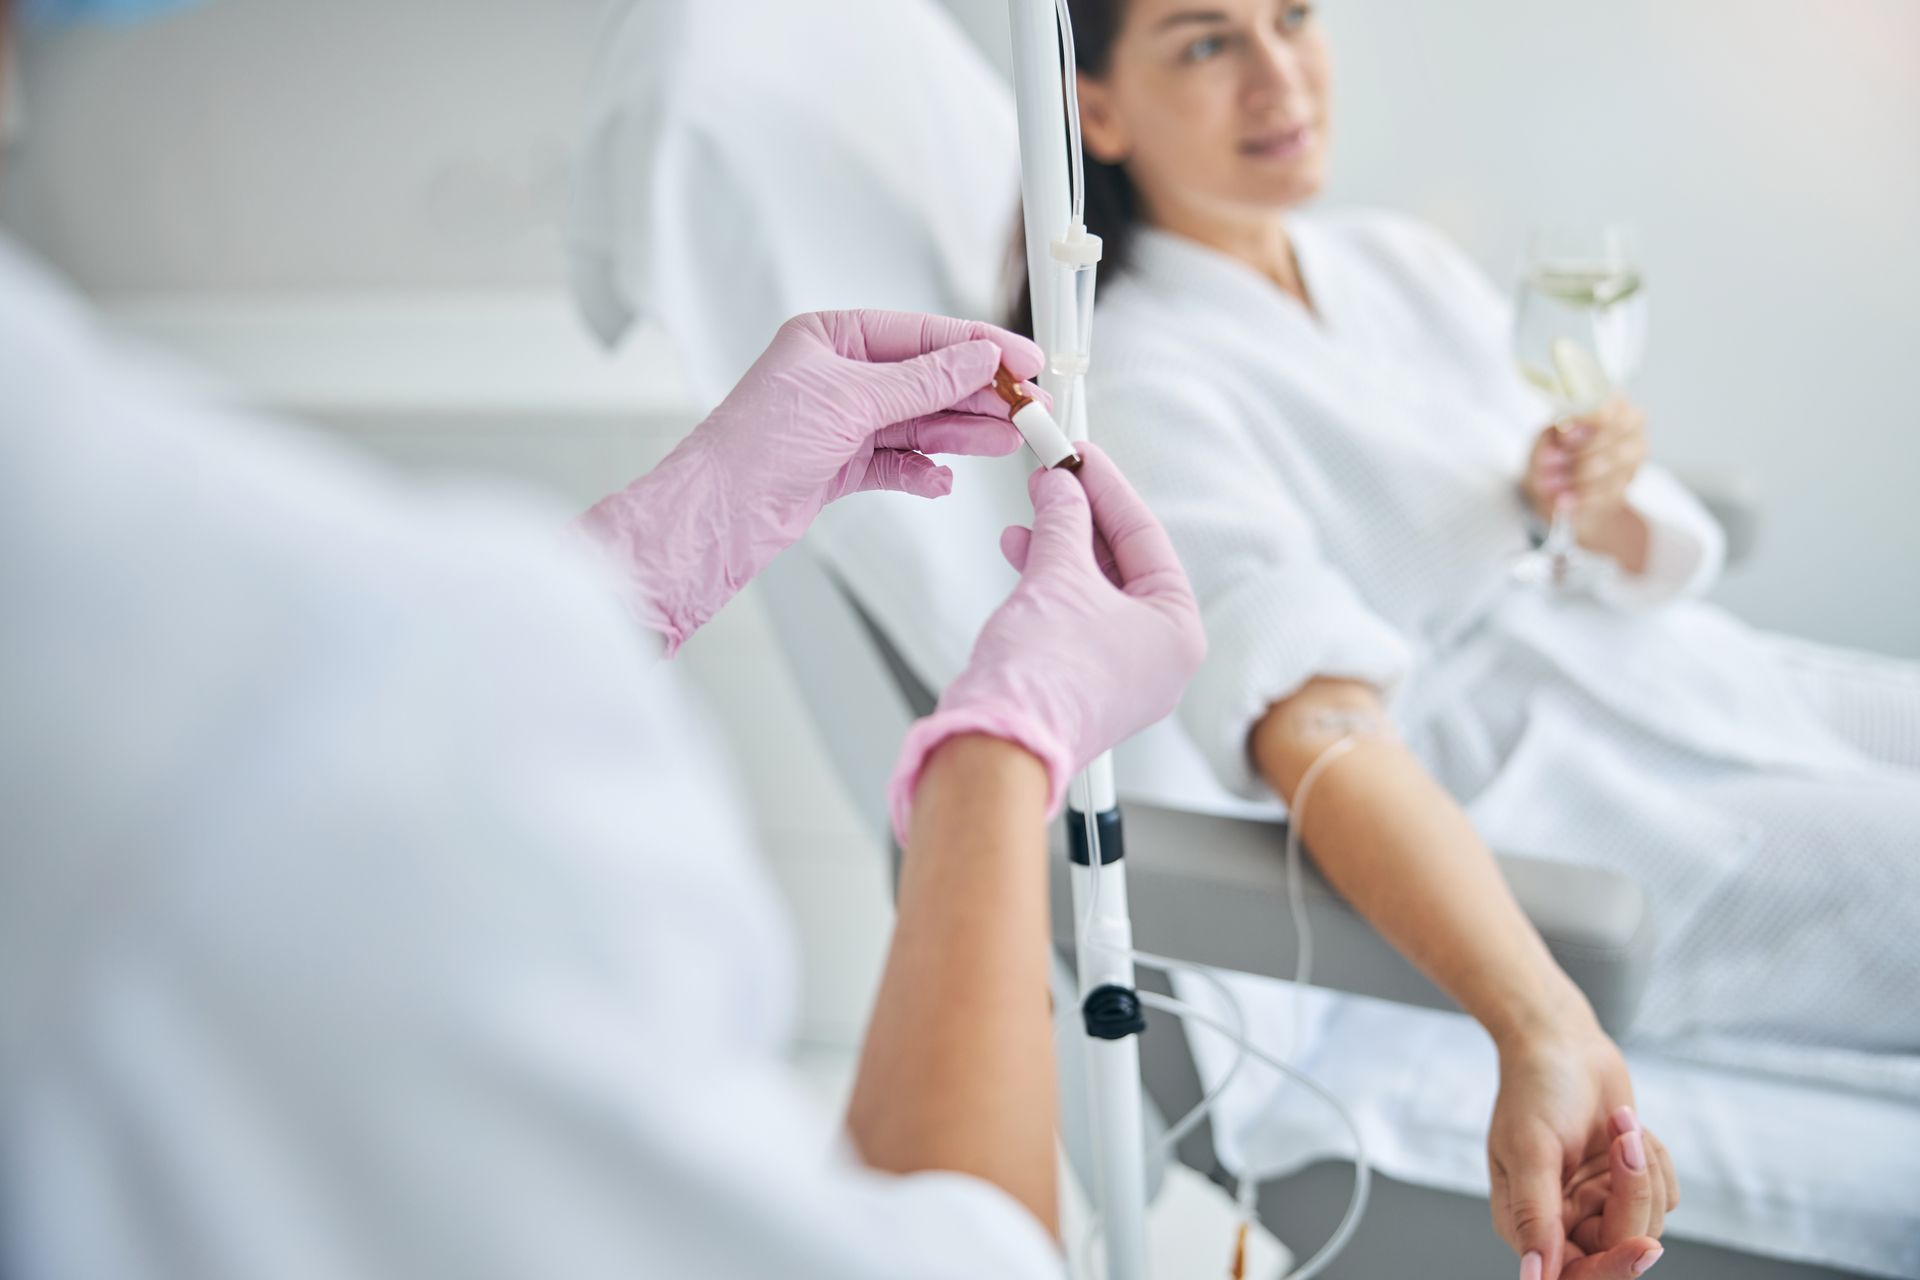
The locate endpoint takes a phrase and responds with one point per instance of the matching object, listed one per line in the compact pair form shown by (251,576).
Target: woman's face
(1216,107)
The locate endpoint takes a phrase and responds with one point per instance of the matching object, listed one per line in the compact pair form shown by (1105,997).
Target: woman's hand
(1588,461)
(1580,1190)
(1096,642)
(842,401)
(1586,464)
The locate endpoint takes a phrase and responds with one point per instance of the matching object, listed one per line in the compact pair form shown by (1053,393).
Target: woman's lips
(1282,144)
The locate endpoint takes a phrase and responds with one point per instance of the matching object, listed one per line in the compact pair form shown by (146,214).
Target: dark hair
(1113,205)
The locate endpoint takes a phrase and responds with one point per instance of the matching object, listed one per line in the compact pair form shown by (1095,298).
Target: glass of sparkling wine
(1580,330)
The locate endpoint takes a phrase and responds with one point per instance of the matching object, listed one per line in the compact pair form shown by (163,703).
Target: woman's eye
(1295,16)
(1205,47)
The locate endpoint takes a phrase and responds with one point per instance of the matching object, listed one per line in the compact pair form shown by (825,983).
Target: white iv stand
(1060,269)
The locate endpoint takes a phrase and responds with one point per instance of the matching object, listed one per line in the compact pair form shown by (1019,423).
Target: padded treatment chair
(680,184)
(730,184)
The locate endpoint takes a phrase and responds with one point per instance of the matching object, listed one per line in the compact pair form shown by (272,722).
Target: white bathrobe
(1342,487)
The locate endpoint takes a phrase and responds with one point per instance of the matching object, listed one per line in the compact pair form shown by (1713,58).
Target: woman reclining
(1325,413)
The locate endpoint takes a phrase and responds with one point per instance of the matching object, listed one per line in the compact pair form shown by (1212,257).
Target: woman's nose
(1273,71)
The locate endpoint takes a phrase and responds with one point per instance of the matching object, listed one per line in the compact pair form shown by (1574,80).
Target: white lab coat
(367,905)
(1343,491)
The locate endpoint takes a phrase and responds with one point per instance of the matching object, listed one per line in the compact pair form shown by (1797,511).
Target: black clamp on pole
(1113,846)
(1113,1012)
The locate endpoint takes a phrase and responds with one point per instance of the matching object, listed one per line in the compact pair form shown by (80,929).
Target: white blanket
(1772,1165)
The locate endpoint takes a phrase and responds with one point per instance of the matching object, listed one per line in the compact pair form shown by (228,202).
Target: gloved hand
(1096,642)
(841,401)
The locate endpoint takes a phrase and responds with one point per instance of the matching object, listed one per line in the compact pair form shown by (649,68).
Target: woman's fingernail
(1624,1121)
(1532,1267)
(1634,1150)
(1647,1260)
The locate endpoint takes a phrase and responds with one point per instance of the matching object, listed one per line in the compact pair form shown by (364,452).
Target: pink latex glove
(1096,642)
(842,401)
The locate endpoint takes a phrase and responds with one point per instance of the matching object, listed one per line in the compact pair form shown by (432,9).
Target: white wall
(306,145)
(1769,154)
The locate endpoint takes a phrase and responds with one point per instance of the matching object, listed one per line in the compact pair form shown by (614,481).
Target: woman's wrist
(1013,730)
(1552,1010)
(1619,532)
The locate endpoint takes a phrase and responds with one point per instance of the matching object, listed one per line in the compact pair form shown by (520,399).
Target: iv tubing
(1362,1170)
(1069,89)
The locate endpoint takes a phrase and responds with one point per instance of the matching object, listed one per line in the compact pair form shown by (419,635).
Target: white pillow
(751,159)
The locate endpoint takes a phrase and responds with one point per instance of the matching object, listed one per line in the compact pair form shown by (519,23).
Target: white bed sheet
(1802,1169)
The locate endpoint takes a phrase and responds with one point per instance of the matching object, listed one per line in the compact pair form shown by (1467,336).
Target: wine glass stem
(1560,534)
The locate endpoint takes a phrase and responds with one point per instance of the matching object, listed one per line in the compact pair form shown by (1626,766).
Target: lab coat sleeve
(445,956)
(1277,613)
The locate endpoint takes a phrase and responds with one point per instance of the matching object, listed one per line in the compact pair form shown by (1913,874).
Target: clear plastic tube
(1070,90)
(1073,297)
(1084,281)
(1184,1125)
(1362,1170)
(1296,886)
(1091,826)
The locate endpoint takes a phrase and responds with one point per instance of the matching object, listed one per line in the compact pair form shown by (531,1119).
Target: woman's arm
(957,1072)
(1398,847)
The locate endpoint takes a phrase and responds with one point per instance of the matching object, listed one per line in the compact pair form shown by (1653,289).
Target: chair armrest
(1732,498)
(1213,890)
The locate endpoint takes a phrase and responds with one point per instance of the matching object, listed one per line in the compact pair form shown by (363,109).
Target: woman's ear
(1101,131)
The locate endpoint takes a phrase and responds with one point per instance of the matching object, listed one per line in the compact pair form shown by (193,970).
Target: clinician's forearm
(1621,533)
(1402,852)
(957,1071)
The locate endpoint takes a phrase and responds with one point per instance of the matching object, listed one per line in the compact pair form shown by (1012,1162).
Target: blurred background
(270,166)
(353,213)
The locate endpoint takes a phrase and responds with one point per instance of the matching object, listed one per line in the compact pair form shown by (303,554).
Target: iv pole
(1059,255)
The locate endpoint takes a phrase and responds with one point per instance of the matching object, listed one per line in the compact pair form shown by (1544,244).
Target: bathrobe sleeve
(1464,308)
(1277,613)
(1686,548)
